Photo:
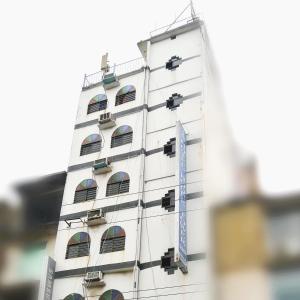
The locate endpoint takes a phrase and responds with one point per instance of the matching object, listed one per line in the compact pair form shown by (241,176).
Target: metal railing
(120,69)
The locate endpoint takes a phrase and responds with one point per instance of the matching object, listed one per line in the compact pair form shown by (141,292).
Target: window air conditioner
(95,217)
(93,279)
(102,166)
(110,80)
(106,120)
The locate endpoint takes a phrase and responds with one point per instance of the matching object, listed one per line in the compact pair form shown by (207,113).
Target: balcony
(119,70)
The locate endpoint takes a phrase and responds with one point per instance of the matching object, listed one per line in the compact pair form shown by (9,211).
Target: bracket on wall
(69,221)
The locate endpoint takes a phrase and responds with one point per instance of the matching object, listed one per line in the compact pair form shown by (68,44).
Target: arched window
(121,136)
(125,94)
(74,297)
(90,144)
(118,184)
(86,190)
(97,103)
(78,245)
(112,295)
(113,239)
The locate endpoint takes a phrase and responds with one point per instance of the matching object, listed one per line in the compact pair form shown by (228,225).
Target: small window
(121,136)
(173,63)
(112,295)
(118,184)
(113,239)
(170,147)
(74,297)
(78,245)
(91,144)
(97,103)
(125,94)
(174,101)
(86,190)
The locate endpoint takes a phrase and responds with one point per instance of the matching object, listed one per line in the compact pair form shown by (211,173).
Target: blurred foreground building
(257,248)
(28,232)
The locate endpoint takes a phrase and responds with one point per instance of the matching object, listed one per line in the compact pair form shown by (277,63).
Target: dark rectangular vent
(170,147)
(173,63)
(168,201)
(168,262)
(174,101)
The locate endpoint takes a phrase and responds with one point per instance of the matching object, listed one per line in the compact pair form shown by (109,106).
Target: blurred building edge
(257,248)
(27,233)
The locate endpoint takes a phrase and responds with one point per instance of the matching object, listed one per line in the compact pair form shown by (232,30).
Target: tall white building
(133,222)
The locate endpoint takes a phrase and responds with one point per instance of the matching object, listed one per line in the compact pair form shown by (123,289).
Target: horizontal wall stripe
(137,71)
(123,206)
(119,267)
(155,263)
(127,155)
(182,60)
(106,209)
(178,82)
(133,111)
(110,268)
(160,105)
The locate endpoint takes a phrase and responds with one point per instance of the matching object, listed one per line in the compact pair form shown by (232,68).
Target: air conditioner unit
(95,217)
(110,80)
(101,166)
(93,279)
(106,120)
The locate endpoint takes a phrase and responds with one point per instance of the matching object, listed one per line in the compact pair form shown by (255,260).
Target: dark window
(168,201)
(168,262)
(86,190)
(78,250)
(74,297)
(117,188)
(111,295)
(93,107)
(170,147)
(121,136)
(85,195)
(112,245)
(118,184)
(173,63)
(174,101)
(113,239)
(90,148)
(125,94)
(78,245)
(91,144)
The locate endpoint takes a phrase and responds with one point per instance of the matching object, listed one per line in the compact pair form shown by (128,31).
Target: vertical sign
(47,280)
(181,211)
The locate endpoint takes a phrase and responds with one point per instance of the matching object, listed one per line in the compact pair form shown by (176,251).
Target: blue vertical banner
(182,230)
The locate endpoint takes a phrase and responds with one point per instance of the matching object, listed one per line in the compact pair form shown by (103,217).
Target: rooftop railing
(120,69)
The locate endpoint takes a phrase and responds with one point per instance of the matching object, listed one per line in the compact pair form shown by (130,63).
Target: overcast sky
(47,46)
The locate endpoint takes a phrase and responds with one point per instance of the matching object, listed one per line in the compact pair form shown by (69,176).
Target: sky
(48,46)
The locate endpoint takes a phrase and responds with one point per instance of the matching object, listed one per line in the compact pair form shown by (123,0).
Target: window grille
(113,239)
(125,94)
(94,107)
(78,245)
(91,144)
(117,188)
(121,136)
(86,190)
(112,295)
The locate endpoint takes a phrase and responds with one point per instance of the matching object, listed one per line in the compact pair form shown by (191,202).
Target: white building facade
(152,242)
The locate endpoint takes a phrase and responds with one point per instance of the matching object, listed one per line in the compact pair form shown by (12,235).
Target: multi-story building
(28,233)
(134,217)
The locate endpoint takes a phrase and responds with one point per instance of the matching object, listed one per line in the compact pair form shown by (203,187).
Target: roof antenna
(193,13)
